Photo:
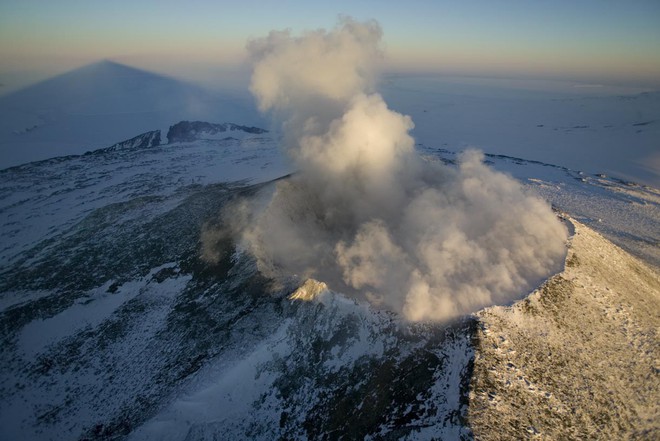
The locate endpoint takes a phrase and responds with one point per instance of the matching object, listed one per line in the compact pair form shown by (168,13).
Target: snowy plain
(612,130)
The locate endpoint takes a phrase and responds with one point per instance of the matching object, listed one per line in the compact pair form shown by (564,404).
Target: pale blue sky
(614,40)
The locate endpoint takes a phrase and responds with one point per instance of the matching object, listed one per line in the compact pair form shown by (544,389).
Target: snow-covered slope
(331,367)
(108,315)
(102,306)
(113,327)
(143,141)
(41,200)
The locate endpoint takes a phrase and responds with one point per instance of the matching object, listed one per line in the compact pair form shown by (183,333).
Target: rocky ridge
(187,131)
(143,141)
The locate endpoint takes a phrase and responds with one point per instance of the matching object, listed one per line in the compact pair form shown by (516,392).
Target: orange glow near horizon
(586,41)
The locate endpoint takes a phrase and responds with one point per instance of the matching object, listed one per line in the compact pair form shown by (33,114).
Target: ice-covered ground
(597,129)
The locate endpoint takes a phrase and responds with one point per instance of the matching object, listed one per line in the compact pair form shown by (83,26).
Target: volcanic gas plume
(365,213)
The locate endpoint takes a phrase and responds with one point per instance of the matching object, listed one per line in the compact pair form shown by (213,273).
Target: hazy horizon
(236,77)
(603,42)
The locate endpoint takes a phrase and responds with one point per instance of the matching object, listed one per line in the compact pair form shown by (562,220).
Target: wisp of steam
(365,213)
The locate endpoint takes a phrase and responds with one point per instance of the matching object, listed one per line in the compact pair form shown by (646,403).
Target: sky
(586,40)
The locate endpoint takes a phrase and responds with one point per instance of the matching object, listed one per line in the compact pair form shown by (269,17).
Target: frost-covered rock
(143,141)
(577,359)
(309,290)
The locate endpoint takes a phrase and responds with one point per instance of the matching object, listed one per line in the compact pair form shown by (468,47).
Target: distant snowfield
(596,129)
(589,127)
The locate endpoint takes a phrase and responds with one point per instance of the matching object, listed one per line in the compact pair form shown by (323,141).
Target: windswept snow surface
(332,367)
(41,200)
(101,285)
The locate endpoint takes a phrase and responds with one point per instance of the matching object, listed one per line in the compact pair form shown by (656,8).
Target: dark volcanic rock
(186,131)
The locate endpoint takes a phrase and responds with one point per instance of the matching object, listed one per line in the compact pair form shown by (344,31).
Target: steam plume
(365,213)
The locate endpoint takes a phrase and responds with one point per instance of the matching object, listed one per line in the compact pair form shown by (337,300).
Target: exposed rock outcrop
(309,290)
(187,131)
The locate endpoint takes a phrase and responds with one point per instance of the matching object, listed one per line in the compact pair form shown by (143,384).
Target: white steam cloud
(366,214)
